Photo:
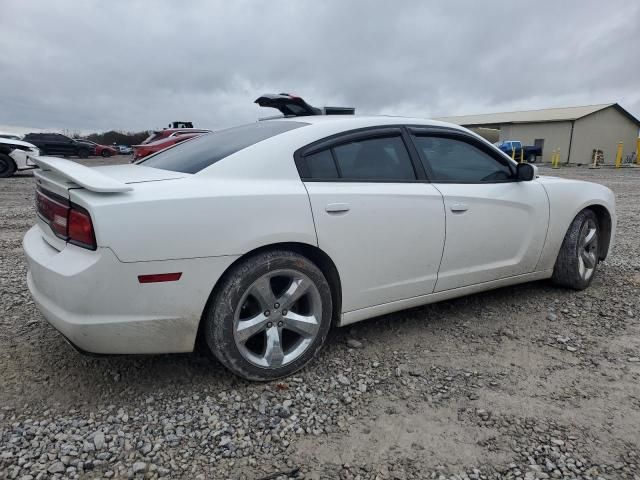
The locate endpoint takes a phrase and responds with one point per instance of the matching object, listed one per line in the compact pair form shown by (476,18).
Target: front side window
(452,160)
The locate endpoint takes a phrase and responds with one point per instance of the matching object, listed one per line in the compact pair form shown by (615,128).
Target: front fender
(566,199)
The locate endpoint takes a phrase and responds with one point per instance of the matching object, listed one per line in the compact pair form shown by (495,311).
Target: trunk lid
(57,177)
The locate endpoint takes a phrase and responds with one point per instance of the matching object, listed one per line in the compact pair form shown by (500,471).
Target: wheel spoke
(589,238)
(273,354)
(263,293)
(248,328)
(298,287)
(303,325)
(588,258)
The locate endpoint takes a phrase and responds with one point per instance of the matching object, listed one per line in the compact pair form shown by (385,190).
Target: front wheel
(578,257)
(531,158)
(105,153)
(270,316)
(83,153)
(7,166)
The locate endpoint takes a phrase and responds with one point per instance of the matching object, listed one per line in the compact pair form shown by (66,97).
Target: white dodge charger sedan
(261,237)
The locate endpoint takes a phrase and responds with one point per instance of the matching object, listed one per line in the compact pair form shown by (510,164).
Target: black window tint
(201,152)
(374,159)
(321,165)
(455,161)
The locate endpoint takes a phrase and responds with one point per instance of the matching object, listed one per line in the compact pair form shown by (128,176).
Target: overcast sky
(137,65)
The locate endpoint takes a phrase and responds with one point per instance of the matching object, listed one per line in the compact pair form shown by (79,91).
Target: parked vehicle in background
(514,148)
(10,136)
(16,155)
(124,149)
(57,144)
(171,132)
(144,150)
(100,150)
(263,236)
(181,125)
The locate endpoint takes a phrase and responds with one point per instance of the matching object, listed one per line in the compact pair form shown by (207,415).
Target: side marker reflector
(160,277)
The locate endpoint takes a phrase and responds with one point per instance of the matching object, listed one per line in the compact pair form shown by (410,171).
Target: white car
(16,155)
(261,237)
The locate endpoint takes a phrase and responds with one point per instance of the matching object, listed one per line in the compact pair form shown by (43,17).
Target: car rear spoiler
(86,177)
(293,106)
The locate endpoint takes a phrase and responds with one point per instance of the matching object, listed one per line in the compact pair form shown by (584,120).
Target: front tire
(83,153)
(577,260)
(270,315)
(105,153)
(7,166)
(531,158)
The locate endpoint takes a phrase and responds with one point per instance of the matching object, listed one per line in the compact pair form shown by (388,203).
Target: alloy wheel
(588,249)
(277,318)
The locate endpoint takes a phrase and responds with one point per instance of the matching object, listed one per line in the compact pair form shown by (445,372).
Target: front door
(495,225)
(383,228)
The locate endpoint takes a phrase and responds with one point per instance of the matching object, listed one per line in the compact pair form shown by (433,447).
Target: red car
(171,132)
(100,150)
(146,149)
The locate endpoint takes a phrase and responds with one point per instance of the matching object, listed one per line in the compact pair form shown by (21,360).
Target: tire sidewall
(567,271)
(10,168)
(219,316)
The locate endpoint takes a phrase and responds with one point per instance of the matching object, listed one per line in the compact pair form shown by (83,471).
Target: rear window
(202,152)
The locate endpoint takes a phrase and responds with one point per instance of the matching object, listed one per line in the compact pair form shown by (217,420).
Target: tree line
(119,138)
(111,137)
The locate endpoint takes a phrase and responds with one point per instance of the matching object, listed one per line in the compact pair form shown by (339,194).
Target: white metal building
(575,131)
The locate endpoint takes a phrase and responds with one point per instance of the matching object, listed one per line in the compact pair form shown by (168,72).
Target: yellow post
(638,151)
(555,159)
(522,155)
(513,153)
(619,155)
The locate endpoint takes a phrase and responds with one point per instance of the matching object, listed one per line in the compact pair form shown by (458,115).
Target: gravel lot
(523,382)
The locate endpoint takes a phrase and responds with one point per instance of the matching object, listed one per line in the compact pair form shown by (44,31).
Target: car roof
(358,121)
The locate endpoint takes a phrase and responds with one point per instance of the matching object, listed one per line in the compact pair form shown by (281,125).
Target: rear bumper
(97,303)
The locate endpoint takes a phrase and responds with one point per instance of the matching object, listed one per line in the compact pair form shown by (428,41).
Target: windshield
(203,151)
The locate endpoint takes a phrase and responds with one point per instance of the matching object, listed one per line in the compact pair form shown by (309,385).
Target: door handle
(459,207)
(337,208)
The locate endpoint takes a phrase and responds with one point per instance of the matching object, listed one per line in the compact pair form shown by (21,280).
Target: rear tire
(577,260)
(7,166)
(270,315)
(531,158)
(105,153)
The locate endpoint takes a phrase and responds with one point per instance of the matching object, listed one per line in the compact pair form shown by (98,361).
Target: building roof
(535,116)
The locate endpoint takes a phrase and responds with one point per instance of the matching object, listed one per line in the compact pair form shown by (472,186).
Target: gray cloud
(96,65)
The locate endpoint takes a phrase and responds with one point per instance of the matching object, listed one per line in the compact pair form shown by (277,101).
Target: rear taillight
(54,212)
(80,228)
(67,221)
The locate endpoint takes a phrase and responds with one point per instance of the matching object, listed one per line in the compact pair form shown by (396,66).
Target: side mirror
(525,172)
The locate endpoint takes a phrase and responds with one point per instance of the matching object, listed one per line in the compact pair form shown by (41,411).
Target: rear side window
(370,159)
(375,159)
(321,165)
(201,152)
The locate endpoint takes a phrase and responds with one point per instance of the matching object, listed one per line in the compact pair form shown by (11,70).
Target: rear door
(495,225)
(381,224)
